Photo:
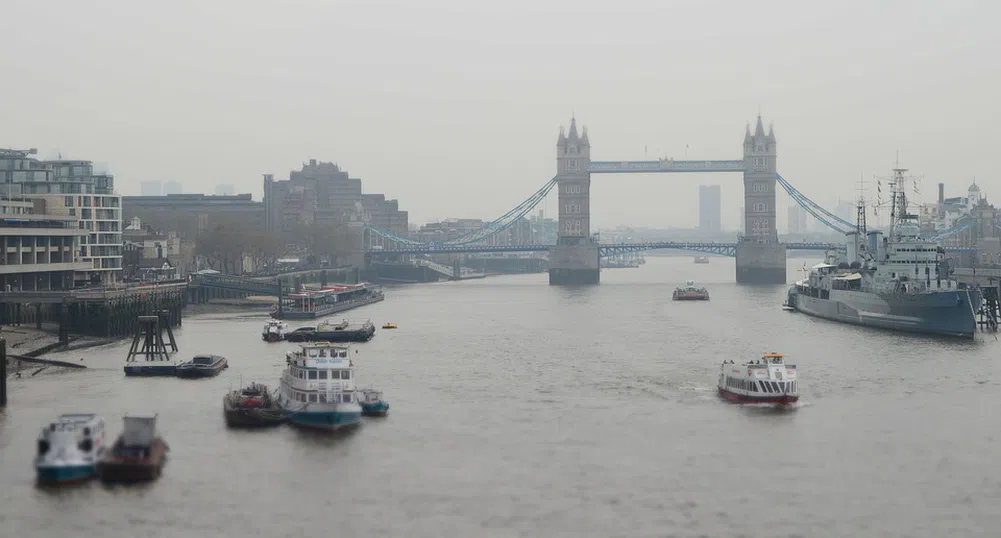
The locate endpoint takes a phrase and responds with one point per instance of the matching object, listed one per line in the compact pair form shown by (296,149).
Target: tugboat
(317,388)
(274,330)
(138,454)
(768,380)
(69,448)
(691,292)
(202,366)
(251,406)
(372,404)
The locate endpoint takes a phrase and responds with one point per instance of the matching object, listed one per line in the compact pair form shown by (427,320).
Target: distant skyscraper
(223,190)
(172,187)
(846,210)
(709,209)
(797,220)
(150,188)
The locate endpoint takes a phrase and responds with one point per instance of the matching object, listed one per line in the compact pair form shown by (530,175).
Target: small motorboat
(251,406)
(388,325)
(702,259)
(202,366)
(138,454)
(691,292)
(372,404)
(274,330)
(69,448)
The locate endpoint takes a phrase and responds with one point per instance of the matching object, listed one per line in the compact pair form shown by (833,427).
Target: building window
(758,207)
(572,227)
(572,164)
(573,189)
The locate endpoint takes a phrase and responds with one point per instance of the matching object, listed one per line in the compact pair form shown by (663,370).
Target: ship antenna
(860,226)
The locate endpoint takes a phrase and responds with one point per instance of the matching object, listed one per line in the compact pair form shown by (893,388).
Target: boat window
(775,386)
(312,398)
(302,374)
(323,397)
(764,386)
(312,374)
(346,398)
(323,374)
(323,352)
(345,374)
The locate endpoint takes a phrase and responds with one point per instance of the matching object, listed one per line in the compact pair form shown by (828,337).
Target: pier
(105,312)
(988,279)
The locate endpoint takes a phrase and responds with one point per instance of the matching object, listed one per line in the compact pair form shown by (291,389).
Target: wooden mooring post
(3,372)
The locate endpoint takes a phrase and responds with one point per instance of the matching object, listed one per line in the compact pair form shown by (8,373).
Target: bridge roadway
(610,249)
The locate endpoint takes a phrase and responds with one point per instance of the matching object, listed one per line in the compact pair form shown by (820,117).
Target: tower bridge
(760,257)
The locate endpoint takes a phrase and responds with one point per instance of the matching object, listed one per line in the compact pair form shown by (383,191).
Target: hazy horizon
(454,108)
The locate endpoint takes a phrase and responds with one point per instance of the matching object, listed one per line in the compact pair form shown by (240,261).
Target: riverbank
(29,341)
(32,342)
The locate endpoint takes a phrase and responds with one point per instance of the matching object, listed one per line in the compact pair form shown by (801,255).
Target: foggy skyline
(454,108)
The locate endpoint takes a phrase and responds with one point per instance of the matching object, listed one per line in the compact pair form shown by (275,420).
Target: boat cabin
(81,429)
(319,373)
(205,360)
(767,375)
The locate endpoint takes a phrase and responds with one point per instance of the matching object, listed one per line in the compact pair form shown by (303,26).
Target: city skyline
(164,109)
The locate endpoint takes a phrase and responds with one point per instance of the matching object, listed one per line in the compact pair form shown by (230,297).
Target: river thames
(520,409)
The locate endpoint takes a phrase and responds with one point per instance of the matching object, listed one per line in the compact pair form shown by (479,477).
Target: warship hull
(945,313)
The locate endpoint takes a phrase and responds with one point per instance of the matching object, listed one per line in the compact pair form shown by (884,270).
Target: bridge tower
(574,259)
(761,259)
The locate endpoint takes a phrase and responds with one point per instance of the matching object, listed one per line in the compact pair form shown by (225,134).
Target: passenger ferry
(274,330)
(317,388)
(317,303)
(691,292)
(69,448)
(767,380)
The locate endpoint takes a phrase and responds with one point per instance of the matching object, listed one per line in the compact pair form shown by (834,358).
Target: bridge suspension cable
(489,229)
(819,213)
(506,220)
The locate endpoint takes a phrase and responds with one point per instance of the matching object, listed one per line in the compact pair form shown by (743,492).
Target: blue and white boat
(69,448)
(317,388)
(372,404)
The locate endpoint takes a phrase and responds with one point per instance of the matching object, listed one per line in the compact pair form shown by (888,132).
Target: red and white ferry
(767,380)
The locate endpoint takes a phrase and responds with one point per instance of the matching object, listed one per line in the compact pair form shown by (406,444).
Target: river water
(520,409)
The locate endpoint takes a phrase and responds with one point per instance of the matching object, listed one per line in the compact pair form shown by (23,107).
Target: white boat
(702,259)
(768,380)
(317,388)
(69,448)
(274,330)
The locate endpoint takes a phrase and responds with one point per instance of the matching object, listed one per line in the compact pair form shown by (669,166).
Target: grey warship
(899,282)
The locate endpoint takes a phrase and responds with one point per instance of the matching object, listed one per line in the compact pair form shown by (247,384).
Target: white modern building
(72,188)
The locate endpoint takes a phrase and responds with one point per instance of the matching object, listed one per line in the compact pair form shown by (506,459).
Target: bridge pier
(574,265)
(759,263)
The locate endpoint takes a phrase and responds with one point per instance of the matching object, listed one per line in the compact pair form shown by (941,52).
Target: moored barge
(313,303)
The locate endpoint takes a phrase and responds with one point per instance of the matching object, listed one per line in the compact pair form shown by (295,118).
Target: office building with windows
(710,209)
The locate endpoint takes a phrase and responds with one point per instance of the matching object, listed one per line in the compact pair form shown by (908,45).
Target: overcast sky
(453,107)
